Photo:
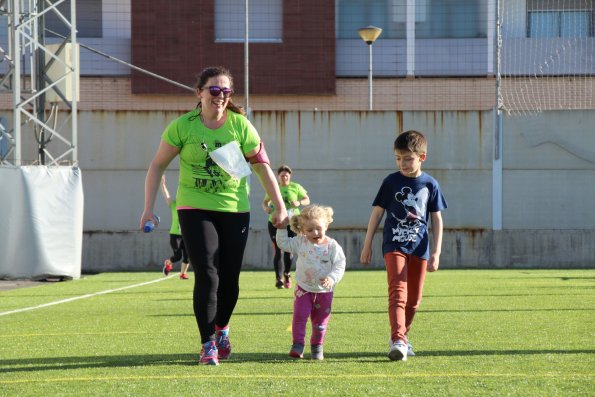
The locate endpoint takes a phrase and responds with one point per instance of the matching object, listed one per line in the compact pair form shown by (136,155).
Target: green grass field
(478,333)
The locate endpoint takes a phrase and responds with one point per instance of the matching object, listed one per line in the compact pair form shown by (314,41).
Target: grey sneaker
(398,351)
(317,353)
(297,350)
(410,352)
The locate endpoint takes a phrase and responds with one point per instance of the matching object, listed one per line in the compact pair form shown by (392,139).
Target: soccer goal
(546,55)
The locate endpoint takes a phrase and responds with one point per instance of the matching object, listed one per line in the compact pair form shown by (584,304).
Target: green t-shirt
(175,222)
(292,192)
(202,183)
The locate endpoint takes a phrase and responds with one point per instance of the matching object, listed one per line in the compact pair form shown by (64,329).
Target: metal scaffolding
(43,79)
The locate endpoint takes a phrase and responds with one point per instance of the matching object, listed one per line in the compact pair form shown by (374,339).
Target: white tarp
(41,222)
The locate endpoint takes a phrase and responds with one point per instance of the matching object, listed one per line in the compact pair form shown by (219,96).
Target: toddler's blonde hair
(310,212)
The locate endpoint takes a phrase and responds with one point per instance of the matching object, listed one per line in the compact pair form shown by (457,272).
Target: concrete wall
(341,158)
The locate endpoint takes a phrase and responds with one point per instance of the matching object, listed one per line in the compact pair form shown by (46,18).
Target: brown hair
(412,141)
(309,212)
(283,167)
(214,71)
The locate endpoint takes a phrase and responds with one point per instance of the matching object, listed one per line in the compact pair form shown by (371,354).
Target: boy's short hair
(411,141)
(283,167)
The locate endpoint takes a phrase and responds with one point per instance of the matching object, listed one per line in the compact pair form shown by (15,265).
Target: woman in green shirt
(213,206)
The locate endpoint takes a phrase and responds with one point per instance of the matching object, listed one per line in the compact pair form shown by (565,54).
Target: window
(454,19)
(88,20)
(433,18)
(265,21)
(570,18)
(356,14)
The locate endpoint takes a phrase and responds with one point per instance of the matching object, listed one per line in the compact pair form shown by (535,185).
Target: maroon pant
(405,275)
(317,306)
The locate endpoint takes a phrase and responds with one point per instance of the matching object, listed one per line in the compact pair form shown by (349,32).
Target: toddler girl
(320,265)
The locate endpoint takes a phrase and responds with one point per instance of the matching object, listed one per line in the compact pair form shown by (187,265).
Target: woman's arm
(270,186)
(165,192)
(266,204)
(304,200)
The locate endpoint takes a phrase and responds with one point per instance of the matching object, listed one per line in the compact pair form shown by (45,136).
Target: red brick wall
(176,40)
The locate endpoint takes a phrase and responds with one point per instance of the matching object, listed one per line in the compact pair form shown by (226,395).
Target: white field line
(83,296)
(258,377)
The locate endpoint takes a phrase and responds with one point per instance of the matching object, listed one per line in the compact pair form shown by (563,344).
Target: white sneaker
(398,351)
(410,352)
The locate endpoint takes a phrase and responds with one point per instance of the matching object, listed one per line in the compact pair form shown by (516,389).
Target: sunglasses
(215,90)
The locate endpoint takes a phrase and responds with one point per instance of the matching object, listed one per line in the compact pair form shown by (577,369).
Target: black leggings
(177,245)
(215,242)
(286,255)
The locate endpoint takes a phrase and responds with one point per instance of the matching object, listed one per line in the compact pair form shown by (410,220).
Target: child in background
(320,265)
(175,237)
(410,198)
(294,195)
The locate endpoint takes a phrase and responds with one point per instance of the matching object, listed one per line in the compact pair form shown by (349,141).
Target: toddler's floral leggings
(317,306)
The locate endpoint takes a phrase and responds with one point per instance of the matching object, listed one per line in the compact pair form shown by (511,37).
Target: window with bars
(89,21)
(433,18)
(265,21)
(555,18)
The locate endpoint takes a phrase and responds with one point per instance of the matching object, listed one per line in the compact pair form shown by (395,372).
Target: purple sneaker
(208,355)
(223,344)
(297,350)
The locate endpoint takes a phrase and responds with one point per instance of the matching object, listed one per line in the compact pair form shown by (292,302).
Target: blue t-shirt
(408,203)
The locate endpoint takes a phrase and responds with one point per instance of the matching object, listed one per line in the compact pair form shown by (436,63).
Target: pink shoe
(223,344)
(297,351)
(287,280)
(183,276)
(167,266)
(208,354)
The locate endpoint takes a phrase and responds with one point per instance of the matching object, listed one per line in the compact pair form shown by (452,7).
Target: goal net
(547,55)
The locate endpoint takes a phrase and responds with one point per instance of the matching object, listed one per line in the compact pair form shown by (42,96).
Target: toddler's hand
(326,282)
(283,224)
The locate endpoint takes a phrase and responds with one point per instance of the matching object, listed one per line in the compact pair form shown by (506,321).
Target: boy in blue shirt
(410,197)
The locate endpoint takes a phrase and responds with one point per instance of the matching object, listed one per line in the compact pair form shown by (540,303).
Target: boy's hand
(366,256)
(433,263)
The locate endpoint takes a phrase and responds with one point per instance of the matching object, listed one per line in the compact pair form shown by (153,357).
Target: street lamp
(369,34)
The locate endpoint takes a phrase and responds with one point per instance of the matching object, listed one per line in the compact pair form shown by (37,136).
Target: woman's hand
(279,218)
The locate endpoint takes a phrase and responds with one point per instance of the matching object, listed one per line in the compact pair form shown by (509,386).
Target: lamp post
(369,34)
(246,61)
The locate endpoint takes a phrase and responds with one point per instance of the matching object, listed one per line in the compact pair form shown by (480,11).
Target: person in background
(294,196)
(320,266)
(213,206)
(175,237)
(410,198)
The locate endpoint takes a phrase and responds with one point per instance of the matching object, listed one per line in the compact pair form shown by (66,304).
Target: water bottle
(150,225)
